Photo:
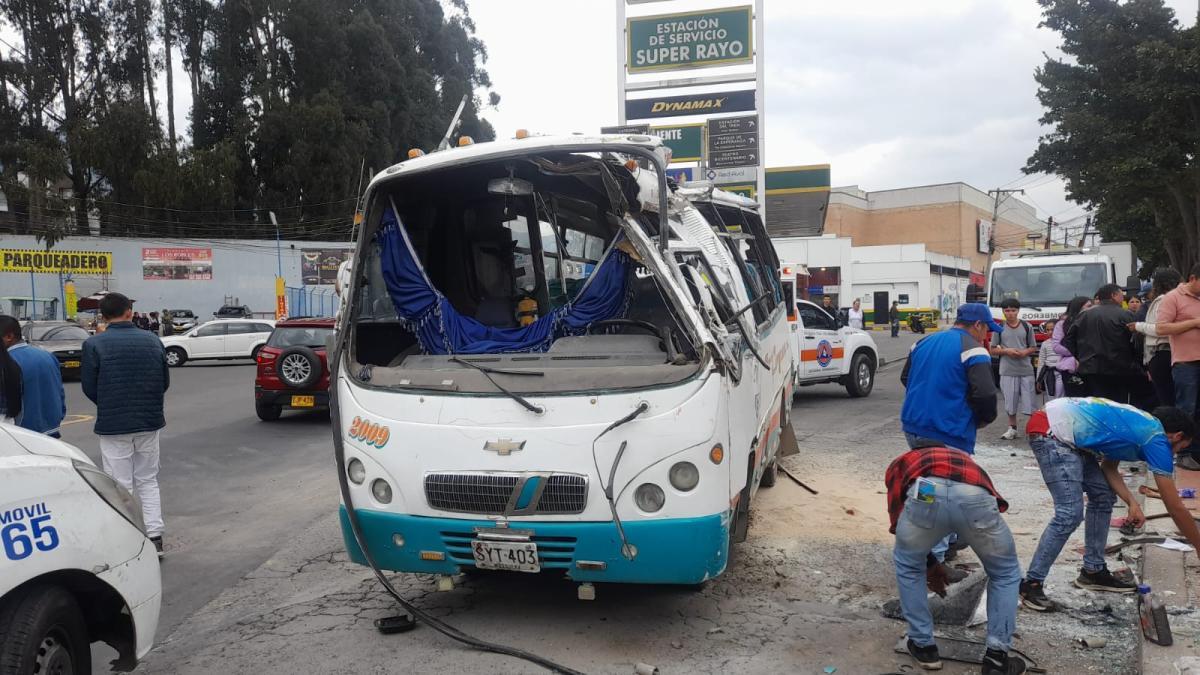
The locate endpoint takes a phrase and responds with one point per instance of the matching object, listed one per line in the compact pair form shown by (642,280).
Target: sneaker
(1034,597)
(996,662)
(1188,463)
(1103,581)
(1009,435)
(926,657)
(157,541)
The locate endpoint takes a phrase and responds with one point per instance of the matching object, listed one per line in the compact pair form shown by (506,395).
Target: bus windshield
(1052,285)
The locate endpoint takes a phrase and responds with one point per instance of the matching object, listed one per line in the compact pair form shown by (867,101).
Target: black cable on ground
(339,452)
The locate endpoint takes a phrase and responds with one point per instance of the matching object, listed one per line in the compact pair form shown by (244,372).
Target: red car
(292,368)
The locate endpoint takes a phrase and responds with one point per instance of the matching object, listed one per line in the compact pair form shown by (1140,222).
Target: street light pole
(278,245)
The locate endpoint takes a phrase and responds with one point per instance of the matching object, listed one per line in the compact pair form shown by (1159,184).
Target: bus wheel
(740,526)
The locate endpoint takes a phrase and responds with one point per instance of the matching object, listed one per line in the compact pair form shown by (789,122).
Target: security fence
(311,301)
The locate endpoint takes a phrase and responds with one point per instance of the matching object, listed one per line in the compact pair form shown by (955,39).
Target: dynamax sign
(694,104)
(51,262)
(718,37)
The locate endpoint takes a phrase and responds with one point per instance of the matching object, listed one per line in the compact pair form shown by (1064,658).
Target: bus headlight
(649,497)
(356,471)
(381,491)
(684,476)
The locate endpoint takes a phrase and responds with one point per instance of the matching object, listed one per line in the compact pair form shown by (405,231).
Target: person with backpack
(1014,344)
(1049,384)
(1072,384)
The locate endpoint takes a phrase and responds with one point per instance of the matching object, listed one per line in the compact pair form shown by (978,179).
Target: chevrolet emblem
(504,446)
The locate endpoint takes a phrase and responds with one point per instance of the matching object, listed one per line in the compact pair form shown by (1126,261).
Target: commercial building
(954,219)
(911,274)
(200,275)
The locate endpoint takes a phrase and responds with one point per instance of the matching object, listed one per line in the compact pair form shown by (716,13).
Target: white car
(829,352)
(219,339)
(76,566)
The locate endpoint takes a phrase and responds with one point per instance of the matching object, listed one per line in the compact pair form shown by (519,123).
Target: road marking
(76,419)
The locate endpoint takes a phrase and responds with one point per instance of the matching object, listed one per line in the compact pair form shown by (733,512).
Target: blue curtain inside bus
(441,329)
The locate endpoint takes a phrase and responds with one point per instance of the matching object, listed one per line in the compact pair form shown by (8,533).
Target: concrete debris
(1188,665)
(645,669)
(957,608)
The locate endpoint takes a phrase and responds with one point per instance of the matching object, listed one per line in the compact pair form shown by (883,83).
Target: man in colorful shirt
(934,491)
(1078,443)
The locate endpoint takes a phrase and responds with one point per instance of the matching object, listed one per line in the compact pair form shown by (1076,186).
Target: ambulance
(825,350)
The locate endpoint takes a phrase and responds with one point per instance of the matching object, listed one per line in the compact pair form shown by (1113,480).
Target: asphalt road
(256,578)
(229,481)
(803,594)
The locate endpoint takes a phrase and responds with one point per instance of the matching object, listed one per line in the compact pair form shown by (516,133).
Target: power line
(100,200)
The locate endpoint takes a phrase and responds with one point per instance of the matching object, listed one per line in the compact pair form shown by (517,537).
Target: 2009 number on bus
(512,556)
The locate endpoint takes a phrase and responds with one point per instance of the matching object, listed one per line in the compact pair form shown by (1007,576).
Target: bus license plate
(515,556)
(303,401)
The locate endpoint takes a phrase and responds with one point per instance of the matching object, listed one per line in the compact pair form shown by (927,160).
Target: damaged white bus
(533,375)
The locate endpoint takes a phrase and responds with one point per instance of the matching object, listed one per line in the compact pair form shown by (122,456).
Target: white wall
(823,251)
(242,268)
(911,278)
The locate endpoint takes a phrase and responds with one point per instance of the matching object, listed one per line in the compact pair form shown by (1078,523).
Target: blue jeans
(915,441)
(1186,377)
(1068,475)
(971,512)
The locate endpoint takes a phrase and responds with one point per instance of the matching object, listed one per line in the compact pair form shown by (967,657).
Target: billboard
(686,141)
(984,229)
(715,37)
(319,266)
(53,262)
(692,104)
(171,264)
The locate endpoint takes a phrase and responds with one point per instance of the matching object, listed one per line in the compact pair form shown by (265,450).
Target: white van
(75,564)
(535,376)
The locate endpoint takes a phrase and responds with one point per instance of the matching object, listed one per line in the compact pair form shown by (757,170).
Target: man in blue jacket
(43,403)
(125,374)
(948,381)
(949,390)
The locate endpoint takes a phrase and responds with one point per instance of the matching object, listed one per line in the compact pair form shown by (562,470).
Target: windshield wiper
(487,372)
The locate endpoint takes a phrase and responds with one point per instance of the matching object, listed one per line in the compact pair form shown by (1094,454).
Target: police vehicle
(75,564)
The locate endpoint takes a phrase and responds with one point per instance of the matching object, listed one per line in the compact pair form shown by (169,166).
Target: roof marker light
(522,133)
(415,153)
(466,140)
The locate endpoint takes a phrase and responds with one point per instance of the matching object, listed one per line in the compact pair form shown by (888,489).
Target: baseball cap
(977,311)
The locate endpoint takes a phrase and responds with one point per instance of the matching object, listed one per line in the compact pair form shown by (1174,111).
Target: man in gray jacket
(125,374)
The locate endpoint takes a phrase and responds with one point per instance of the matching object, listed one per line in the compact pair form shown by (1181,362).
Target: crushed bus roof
(499,149)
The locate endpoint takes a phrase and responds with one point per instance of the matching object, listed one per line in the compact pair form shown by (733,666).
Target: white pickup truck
(826,351)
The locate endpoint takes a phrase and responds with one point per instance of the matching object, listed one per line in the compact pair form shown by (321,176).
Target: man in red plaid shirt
(933,491)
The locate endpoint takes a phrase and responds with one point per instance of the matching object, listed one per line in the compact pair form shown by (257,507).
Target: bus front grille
(502,493)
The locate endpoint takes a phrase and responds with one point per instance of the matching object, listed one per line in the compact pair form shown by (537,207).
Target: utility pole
(1087,225)
(1049,231)
(997,193)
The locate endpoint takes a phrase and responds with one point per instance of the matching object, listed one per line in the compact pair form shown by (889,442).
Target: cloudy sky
(891,94)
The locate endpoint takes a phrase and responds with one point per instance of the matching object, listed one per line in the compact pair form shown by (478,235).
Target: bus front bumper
(669,551)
